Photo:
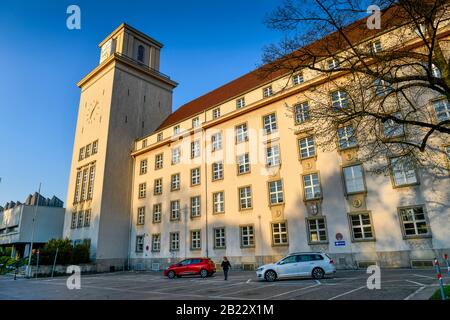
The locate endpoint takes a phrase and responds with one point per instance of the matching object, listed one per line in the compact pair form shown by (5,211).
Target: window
(301,111)
(245,198)
(195,176)
(267,92)
(81,156)
(421,30)
(77,187)
(276,192)
(247,236)
(157,186)
(159,137)
(174,241)
(73,224)
(158,161)
(156,242)
(241,133)
(90,190)
(339,99)
(435,71)
(240,103)
(442,108)
(413,221)
(297,79)
(333,64)
(142,190)
(196,122)
(87,218)
(175,210)
(195,240)
(374,47)
(273,156)
(218,202)
(175,182)
(216,141)
(95,147)
(354,179)
(176,155)
(217,171)
(270,123)
(306,146)
(144,143)
(195,206)
(317,231)
(157,213)
(143,166)
(361,226)
(279,234)
(393,129)
(382,87)
(346,137)
(139,243)
(80,219)
(219,238)
(141,216)
(216,113)
(140,54)
(176,130)
(84,184)
(88,150)
(311,186)
(243,163)
(403,171)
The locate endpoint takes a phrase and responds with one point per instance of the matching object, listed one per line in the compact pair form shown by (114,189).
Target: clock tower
(125,97)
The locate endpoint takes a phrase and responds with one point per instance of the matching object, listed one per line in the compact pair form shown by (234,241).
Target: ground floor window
(156,242)
(414,222)
(247,236)
(361,226)
(174,241)
(139,243)
(317,231)
(279,233)
(219,238)
(195,240)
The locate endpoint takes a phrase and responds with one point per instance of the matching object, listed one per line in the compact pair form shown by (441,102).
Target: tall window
(306,146)
(196,240)
(354,179)
(195,176)
(317,230)
(267,92)
(175,210)
(159,137)
(175,182)
(140,55)
(84,184)
(392,128)
(80,219)
(141,215)
(240,103)
(339,99)
(95,147)
(301,111)
(158,161)
(73,223)
(176,155)
(276,192)
(157,186)
(403,171)
(270,123)
(245,198)
(76,197)
(243,163)
(195,206)
(333,64)
(144,143)
(195,149)
(216,113)
(241,133)
(361,226)
(176,129)
(279,234)
(374,47)
(143,166)
(88,150)
(142,190)
(87,218)
(90,191)
(174,241)
(216,141)
(81,155)
(273,156)
(297,79)
(442,108)
(196,122)
(139,243)
(156,242)
(247,236)
(414,222)
(157,213)
(218,202)
(346,137)
(217,170)
(219,238)
(311,186)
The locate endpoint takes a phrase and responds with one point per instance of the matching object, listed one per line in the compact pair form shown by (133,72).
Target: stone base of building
(111,265)
(357,260)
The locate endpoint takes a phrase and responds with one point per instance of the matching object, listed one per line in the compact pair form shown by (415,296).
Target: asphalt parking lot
(396,284)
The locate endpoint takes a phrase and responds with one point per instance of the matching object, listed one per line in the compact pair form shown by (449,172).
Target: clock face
(92,112)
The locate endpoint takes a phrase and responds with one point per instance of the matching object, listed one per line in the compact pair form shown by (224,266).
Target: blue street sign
(339,243)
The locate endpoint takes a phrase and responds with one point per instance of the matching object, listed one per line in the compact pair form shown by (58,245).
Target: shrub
(67,254)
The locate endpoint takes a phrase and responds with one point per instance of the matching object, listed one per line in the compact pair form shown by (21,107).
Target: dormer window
(333,64)
(240,103)
(141,52)
(267,91)
(297,79)
(159,137)
(216,113)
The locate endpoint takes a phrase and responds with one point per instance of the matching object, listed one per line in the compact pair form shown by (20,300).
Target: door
(183,266)
(307,263)
(288,267)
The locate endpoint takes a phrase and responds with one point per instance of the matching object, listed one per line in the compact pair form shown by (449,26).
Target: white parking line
(418,283)
(346,293)
(414,293)
(419,275)
(287,292)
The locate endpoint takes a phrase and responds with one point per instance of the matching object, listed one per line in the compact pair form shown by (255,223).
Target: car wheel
(270,276)
(203,273)
(171,275)
(318,273)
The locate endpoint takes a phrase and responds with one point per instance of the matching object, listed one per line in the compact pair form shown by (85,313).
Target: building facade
(234,173)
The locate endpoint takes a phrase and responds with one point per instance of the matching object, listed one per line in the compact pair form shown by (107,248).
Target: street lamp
(28,271)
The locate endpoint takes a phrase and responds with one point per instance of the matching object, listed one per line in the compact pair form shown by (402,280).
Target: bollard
(439,276)
(447,263)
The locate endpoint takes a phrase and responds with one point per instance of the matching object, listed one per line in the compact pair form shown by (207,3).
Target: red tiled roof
(355,32)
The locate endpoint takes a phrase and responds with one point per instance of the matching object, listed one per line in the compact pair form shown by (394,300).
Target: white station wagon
(301,264)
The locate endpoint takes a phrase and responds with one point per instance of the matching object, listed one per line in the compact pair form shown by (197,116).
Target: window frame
(245,155)
(140,221)
(347,137)
(142,190)
(345,181)
(359,213)
(272,146)
(178,218)
(192,176)
(247,197)
(171,241)
(240,103)
(157,213)
(138,244)
(241,133)
(214,202)
(155,186)
(216,113)
(277,192)
(199,206)
(340,99)
(272,233)
(241,236)
(216,144)
(178,184)
(305,113)
(272,122)
(414,221)
(308,147)
(224,237)
(178,148)
(158,236)
(267,91)
(313,188)
(143,168)
(221,171)
(195,149)
(298,75)
(308,229)
(159,161)
(192,248)
(392,175)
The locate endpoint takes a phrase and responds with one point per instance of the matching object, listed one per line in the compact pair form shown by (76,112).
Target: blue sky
(206,44)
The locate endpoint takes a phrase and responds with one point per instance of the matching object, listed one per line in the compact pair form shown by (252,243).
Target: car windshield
(290,259)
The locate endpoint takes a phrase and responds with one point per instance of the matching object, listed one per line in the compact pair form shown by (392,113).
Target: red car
(202,266)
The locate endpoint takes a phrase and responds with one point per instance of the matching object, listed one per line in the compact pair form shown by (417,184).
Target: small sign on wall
(339,243)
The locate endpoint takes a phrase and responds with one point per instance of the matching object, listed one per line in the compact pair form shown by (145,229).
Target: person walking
(225,266)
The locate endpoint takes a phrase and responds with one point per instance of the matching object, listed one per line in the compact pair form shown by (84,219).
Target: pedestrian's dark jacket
(225,265)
